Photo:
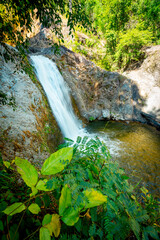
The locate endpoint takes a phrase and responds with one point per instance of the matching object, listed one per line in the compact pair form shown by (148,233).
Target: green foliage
(16,17)
(44,234)
(5,100)
(129,48)
(94,198)
(91,194)
(148,13)
(42,185)
(57,161)
(65,199)
(115,22)
(14,208)
(91,119)
(34,208)
(27,171)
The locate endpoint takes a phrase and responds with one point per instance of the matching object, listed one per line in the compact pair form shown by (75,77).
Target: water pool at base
(135,146)
(137,149)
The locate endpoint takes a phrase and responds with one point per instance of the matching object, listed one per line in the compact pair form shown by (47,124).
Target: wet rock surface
(100,94)
(95,90)
(146,80)
(26,128)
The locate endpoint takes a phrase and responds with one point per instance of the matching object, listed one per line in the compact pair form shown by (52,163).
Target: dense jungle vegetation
(119,29)
(79,192)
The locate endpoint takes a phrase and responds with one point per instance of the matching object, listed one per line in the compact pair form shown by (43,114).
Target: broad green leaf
(6,164)
(41,185)
(34,208)
(54,226)
(50,228)
(44,234)
(47,219)
(27,171)
(14,208)
(64,200)
(70,216)
(34,191)
(94,197)
(57,161)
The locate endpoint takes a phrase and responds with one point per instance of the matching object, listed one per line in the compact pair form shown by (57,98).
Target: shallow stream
(137,149)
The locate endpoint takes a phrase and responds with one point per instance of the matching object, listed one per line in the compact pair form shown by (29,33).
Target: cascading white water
(59,99)
(58,96)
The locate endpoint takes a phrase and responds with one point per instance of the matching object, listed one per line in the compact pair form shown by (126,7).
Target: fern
(92,230)
(142,216)
(135,227)
(93,213)
(100,233)
(149,231)
(108,224)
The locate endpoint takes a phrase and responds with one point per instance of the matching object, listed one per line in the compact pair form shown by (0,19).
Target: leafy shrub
(80,193)
(111,41)
(129,48)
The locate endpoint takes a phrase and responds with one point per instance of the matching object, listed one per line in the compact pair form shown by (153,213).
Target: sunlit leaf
(27,171)
(95,198)
(14,208)
(6,164)
(41,185)
(44,234)
(57,161)
(34,208)
(54,226)
(70,216)
(47,219)
(34,191)
(65,199)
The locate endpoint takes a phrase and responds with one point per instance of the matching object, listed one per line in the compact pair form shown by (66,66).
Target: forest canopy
(126,26)
(17,16)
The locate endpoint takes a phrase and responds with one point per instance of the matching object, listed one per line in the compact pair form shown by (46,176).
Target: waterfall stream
(58,96)
(134,146)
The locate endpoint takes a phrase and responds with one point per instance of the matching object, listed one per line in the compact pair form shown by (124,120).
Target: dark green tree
(17,15)
(149,13)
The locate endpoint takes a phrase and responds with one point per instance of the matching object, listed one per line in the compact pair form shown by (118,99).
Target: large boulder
(147,81)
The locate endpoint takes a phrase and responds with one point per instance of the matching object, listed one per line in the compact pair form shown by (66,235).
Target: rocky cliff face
(28,129)
(100,94)
(147,81)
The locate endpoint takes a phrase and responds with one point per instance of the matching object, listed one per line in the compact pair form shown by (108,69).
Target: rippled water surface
(137,149)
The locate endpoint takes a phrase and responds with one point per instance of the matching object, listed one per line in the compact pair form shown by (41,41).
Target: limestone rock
(25,126)
(146,84)
(109,95)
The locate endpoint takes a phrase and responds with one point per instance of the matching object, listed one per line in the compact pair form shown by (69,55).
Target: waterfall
(58,96)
